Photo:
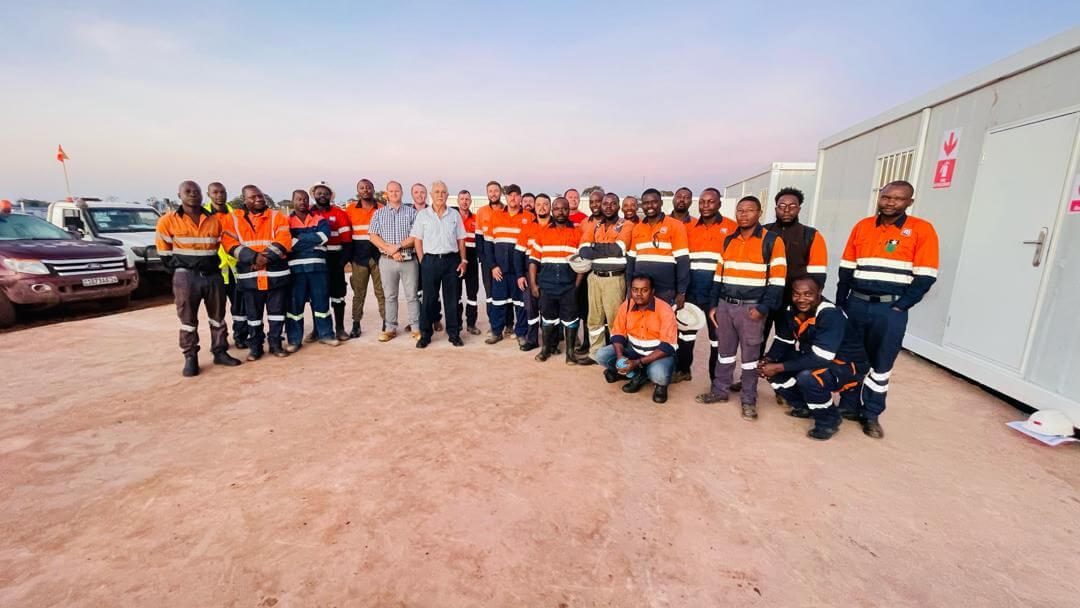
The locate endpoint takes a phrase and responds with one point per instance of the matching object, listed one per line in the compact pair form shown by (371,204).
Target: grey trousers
(408,274)
(736,330)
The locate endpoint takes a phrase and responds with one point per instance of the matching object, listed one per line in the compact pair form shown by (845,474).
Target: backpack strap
(768,240)
(809,233)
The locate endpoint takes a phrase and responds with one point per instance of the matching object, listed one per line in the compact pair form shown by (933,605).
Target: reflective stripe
(885,263)
(688,337)
(333,247)
(254,323)
(570,323)
(643,343)
(705,255)
(534,320)
(649,245)
(880,376)
(714,344)
(708,266)
(847,264)
(790,382)
(749,366)
(680,253)
(778,261)
(821,352)
(549,322)
(302,261)
(294,317)
(817,269)
(471,302)
(165,237)
(333,233)
(649,257)
(323,237)
(190,328)
(337,300)
(610,261)
(239,318)
(214,323)
(784,340)
(275,317)
(599,331)
(747,282)
(192,252)
(924,271)
(819,406)
(360,237)
(726,360)
(887,277)
(499,302)
(874,386)
(295,241)
(518,303)
(749,266)
(322,315)
(778,282)
(196,240)
(356,227)
(255,273)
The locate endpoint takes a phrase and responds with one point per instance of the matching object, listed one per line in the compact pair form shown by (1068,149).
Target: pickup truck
(130,226)
(43,266)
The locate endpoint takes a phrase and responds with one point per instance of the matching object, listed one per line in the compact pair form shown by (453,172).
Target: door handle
(1035,261)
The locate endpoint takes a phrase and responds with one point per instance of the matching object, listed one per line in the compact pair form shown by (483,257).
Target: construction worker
(596,198)
(187,241)
(485,243)
(888,265)
(804,246)
(573,197)
(680,205)
(528,202)
(815,354)
(439,237)
(747,285)
(552,281)
(542,208)
(311,234)
(705,237)
(510,249)
(642,342)
(220,206)
(604,242)
(471,279)
(259,239)
(364,259)
(630,209)
(338,253)
(658,248)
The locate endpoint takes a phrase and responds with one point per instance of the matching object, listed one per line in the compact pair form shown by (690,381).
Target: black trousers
(191,288)
(439,272)
(235,298)
(272,302)
(336,269)
(582,300)
(472,287)
(559,307)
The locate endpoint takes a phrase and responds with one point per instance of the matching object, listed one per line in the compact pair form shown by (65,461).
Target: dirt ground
(380,475)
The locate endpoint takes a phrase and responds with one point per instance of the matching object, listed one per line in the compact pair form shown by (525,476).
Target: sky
(548,94)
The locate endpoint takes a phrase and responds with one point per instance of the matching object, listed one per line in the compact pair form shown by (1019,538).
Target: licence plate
(92,281)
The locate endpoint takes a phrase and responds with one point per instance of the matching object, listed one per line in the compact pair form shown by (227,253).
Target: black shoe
(355,333)
(853,416)
(613,376)
(191,366)
(749,411)
(822,434)
(735,387)
(659,394)
(225,359)
(493,339)
(526,347)
(255,355)
(570,335)
(423,342)
(799,413)
(872,428)
(279,352)
(635,383)
(456,341)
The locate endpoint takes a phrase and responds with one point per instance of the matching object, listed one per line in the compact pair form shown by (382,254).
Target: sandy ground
(380,475)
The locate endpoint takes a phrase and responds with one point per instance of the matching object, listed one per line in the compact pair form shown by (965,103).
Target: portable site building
(993,157)
(764,185)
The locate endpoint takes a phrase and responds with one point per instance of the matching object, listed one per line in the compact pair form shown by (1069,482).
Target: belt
(443,255)
(876,299)
(609,273)
(738,301)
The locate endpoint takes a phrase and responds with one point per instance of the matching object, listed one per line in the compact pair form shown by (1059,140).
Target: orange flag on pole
(60,154)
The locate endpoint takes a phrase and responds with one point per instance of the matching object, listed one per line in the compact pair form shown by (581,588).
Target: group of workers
(623,285)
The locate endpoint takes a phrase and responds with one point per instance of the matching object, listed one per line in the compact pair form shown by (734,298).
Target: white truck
(130,226)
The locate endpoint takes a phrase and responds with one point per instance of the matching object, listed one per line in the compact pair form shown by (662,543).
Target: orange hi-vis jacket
(340,242)
(550,251)
(661,252)
(184,244)
(751,270)
(253,233)
(643,329)
(899,261)
(605,243)
(470,231)
(505,230)
(360,221)
(706,242)
(485,240)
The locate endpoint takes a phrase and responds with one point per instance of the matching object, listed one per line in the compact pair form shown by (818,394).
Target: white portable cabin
(766,184)
(993,157)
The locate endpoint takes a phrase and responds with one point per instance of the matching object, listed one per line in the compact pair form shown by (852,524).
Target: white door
(1018,190)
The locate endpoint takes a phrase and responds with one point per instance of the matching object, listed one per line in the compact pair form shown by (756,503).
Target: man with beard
(552,281)
(364,257)
(596,197)
(604,241)
(528,202)
(680,204)
(187,241)
(308,266)
(221,208)
(507,258)
(485,241)
(472,264)
(526,240)
(804,246)
(338,252)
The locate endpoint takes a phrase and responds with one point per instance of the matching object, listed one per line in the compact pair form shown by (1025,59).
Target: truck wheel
(7,312)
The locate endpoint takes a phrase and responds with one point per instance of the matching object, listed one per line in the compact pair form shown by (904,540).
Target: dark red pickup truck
(41,266)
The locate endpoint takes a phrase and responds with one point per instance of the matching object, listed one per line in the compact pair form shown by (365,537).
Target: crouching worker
(814,354)
(643,340)
(310,275)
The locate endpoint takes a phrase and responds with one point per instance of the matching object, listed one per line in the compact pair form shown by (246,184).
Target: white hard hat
(690,317)
(311,190)
(579,264)
(1049,422)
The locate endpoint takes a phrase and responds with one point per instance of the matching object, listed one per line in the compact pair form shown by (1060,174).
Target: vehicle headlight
(139,251)
(26,266)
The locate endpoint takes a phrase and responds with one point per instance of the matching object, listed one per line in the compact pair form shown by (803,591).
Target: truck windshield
(124,220)
(16,226)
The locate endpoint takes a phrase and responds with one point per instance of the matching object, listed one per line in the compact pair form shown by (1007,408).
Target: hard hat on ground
(690,317)
(1049,422)
(579,264)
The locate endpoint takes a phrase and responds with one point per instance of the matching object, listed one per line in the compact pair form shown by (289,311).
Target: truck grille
(68,268)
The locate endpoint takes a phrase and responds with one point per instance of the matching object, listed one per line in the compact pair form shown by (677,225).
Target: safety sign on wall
(1074,203)
(946,163)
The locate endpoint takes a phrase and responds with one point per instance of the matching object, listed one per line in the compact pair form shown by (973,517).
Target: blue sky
(545,94)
